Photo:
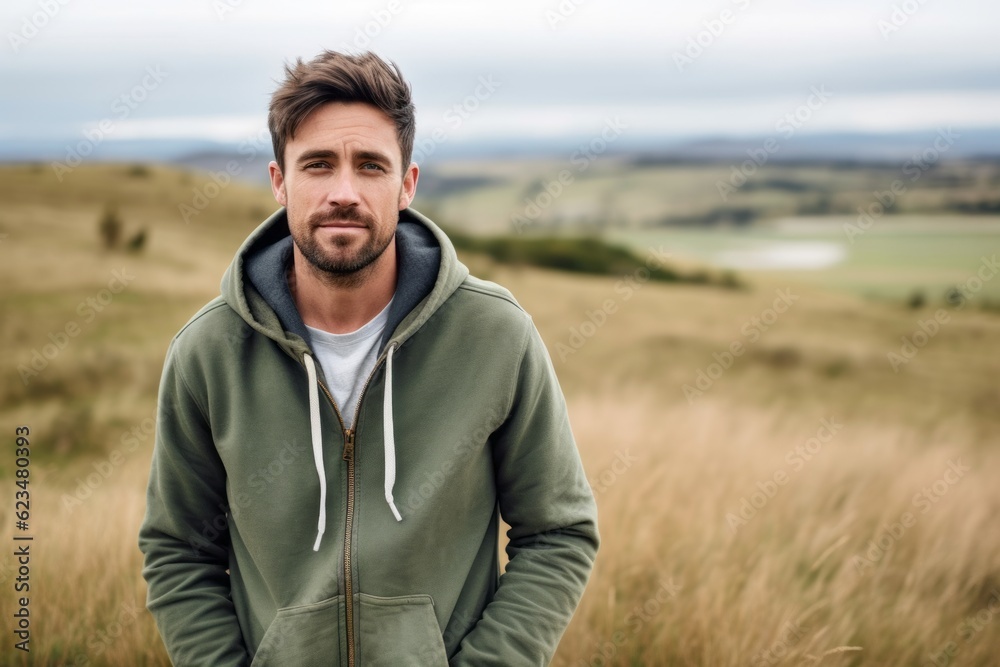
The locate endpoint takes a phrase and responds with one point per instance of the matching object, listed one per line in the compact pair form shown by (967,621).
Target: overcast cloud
(887,65)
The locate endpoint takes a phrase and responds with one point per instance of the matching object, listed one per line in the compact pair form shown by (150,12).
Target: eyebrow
(323,153)
(315,154)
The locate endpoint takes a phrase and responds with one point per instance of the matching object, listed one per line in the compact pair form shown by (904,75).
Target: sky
(204,68)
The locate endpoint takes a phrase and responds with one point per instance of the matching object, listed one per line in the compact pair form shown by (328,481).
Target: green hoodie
(274,535)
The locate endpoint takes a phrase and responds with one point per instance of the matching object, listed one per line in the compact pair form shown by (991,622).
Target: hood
(255,287)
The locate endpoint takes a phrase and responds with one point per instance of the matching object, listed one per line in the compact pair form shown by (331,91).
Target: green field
(893,259)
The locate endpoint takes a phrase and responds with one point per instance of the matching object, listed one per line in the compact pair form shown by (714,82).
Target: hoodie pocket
(399,632)
(303,636)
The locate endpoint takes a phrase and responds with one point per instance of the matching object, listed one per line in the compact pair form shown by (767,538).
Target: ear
(277,183)
(409,189)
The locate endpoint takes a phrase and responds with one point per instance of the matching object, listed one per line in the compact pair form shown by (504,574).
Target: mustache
(340,214)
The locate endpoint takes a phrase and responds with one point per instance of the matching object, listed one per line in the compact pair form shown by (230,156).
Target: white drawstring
(387,436)
(317,446)
(317,441)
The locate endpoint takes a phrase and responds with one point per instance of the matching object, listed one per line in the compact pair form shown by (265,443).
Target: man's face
(343,186)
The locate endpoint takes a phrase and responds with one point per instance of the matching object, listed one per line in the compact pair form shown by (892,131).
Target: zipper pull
(348,444)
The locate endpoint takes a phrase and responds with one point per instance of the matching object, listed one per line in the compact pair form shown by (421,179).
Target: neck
(342,304)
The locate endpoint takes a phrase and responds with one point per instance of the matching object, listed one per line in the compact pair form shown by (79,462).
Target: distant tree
(110,227)
(917,300)
(137,242)
(954,297)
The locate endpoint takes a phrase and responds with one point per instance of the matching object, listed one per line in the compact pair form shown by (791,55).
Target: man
(341,431)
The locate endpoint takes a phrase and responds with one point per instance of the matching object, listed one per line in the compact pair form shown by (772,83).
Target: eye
(369,166)
(316,165)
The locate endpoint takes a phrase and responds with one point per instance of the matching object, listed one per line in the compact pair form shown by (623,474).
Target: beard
(343,266)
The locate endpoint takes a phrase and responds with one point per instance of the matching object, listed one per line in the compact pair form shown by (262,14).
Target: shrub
(137,242)
(110,228)
(917,300)
(580,255)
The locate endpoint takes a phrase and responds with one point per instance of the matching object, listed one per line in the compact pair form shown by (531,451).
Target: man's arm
(186,554)
(546,499)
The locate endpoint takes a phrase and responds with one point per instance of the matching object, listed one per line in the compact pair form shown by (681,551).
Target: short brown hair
(339,77)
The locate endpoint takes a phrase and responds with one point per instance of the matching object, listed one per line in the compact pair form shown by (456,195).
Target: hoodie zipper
(348,456)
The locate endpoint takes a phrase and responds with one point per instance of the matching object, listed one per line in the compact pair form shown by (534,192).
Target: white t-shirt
(348,359)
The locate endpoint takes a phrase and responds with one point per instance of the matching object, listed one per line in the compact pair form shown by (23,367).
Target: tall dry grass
(87,593)
(676,583)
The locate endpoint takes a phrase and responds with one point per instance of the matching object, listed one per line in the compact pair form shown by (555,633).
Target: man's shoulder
(215,320)
(483,308)
(490,295)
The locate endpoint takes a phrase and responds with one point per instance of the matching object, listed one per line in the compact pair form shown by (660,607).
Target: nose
(343,189)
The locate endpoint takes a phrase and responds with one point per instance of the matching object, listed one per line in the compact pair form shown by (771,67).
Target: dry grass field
(773,488)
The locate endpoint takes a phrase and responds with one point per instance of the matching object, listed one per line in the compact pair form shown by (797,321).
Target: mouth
(342,224)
